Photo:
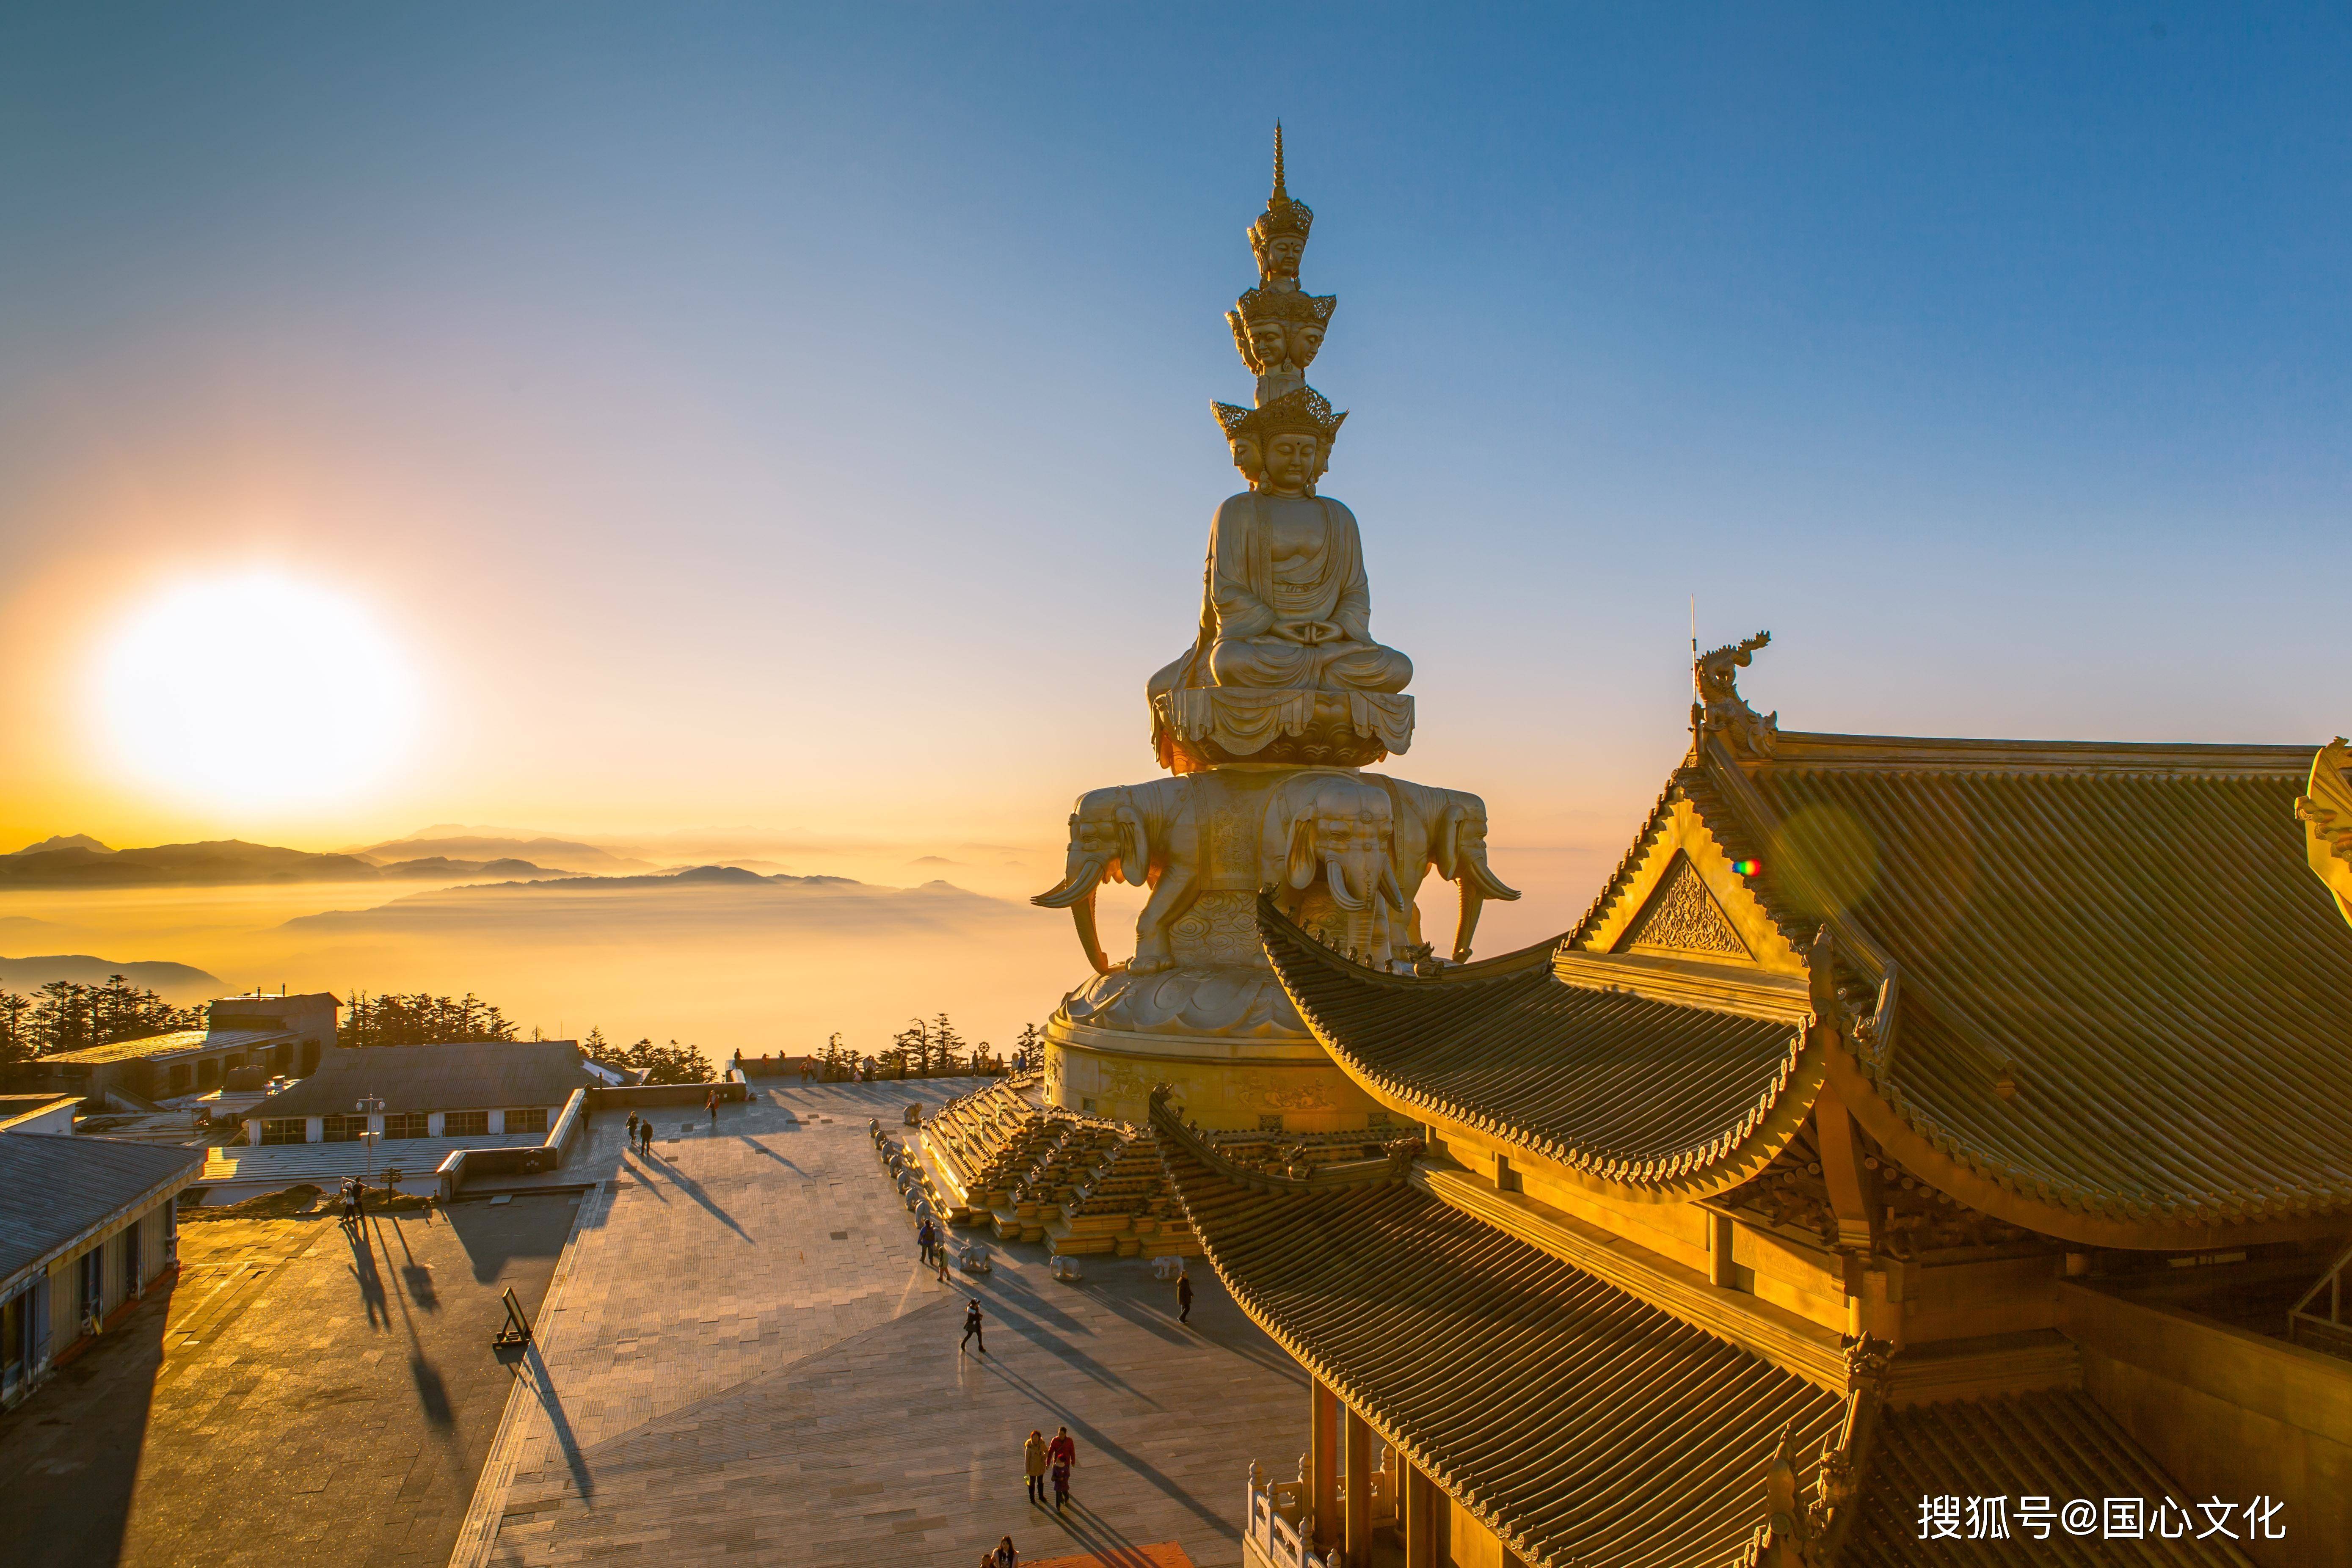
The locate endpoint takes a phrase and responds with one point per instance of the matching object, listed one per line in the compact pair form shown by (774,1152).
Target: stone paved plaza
(300,1398)
(741,1359)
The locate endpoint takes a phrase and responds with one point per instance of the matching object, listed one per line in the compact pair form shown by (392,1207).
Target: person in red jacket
(1061,1453)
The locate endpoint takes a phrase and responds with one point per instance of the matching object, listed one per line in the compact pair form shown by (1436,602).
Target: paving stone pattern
(746,1362)
(295,1399)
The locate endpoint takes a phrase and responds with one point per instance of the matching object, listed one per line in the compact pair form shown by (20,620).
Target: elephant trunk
(1076,893)
(1343,893)
(1083,912)
(1473,902)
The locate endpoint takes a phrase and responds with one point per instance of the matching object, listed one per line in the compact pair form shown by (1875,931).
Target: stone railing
(1278,1529)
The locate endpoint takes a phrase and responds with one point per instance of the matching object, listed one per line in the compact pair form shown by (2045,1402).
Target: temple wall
(1801,1280)
(2227,1414)
(1963,1300)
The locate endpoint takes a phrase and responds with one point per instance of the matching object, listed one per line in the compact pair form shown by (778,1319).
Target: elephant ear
(1302,863)
(1134,847)
(1445,844)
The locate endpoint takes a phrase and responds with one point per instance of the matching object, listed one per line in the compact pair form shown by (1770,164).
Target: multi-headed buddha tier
(1264,723)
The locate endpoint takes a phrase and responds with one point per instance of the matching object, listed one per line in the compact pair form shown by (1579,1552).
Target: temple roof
(2128,936)
(1631,1088)
(2122,1009)
(1585,1427)
(1580,1424)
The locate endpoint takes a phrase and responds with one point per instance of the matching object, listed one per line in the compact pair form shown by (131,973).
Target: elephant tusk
(1390,889)
(1079,884)
(1475,869)
(1343,895)
(1083,912)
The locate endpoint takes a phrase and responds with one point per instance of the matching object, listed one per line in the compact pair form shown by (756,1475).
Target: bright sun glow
(254,691)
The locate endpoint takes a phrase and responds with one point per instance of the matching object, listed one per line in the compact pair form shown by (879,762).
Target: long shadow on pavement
(693,1189)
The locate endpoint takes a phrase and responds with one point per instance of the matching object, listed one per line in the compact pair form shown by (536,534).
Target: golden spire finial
(1284,220)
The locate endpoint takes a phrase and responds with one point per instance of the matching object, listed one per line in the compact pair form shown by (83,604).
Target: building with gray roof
(475,1088)
(86,1226)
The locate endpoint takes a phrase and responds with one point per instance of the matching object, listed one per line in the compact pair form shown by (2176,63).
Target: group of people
(354,1201)
(1058,1458)
(933,1242)
(641,1127)
(641,1135)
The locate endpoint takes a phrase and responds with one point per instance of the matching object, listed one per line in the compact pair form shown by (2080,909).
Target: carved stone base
(1199,727)
(1231,1001)
(1225,1036)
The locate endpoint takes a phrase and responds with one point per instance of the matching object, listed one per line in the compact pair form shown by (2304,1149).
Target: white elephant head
(1342,829)
(1107,838)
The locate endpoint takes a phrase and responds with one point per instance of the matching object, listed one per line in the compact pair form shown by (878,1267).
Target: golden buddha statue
(1286,602)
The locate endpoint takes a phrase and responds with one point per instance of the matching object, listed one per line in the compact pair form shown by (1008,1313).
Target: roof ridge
(1799,750)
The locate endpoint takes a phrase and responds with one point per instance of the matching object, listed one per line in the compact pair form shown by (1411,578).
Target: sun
(257,689)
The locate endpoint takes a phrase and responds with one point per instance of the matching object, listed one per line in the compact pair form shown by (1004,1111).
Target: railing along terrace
(1279,1525)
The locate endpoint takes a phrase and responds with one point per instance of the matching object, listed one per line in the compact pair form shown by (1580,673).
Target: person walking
(1183,1295)
(710,1103)
(972,1328)
(939,1260)
(1032,1459)
(646,1137)
(1063,1454)
(633,1132)
(923,1240)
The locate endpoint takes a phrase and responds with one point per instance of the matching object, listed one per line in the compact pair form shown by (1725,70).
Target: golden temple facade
(1922,1151)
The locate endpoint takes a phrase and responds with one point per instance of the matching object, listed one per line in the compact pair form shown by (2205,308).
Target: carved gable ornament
(1682,916)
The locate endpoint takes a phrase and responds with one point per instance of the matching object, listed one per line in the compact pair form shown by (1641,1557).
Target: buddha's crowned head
(1276,331)
(1278,237)
(1283,447)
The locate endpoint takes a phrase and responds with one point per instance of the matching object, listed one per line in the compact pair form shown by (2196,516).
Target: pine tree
(946,1041)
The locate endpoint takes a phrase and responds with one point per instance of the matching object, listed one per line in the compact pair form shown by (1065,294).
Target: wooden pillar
(1323,1461)
(1359,1537)
(1421,1511)
(1720,1233)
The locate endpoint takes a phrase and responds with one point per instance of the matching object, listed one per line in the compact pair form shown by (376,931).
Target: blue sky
(799,417)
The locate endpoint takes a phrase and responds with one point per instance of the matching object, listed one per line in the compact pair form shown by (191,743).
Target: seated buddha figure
(1286,602)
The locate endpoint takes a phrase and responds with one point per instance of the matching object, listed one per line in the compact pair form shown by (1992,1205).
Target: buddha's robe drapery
(1248,594)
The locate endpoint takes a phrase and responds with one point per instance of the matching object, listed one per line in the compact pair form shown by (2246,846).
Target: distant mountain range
(80,861)
(725,898)
(455,842)
(173,981)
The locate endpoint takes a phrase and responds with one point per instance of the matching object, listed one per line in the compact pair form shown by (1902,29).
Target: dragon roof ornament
(1720,709)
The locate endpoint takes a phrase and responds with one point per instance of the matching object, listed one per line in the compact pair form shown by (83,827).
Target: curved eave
(1738,1152)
